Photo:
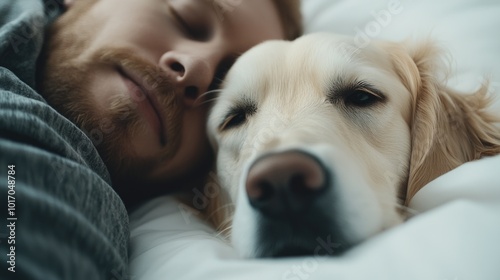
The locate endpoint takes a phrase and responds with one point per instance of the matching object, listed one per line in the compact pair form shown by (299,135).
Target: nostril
(298,185)
(262,191)
(306,181)
(267,191)
(259,189)
(177,67)
(261,194)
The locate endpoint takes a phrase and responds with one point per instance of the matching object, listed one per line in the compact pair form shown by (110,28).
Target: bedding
(454,235)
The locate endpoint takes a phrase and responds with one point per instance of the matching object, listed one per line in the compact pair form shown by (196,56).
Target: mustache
(123,107)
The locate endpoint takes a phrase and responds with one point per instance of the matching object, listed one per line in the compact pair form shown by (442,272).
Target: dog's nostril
(266,191)
(260,190)
(299,185)
(284,181)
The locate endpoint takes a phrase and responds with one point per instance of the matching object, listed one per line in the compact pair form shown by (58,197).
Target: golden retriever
(321,144)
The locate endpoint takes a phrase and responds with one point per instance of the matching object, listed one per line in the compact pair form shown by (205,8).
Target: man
(129,74)
(138,71)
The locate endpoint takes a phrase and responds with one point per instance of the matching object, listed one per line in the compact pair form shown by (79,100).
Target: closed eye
(358,94)
(194,30)
(237,116)
(361,97)
(233,120)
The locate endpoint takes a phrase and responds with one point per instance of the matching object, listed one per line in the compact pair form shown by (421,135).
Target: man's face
(129,73)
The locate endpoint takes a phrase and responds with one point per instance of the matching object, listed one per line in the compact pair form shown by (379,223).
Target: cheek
(397,143)
(138,25)
(389,132)
(386,149)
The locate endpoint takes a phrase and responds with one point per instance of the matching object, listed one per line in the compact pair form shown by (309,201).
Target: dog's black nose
(283,183)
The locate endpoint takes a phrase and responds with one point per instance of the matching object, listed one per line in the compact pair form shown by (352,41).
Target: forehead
(316,59)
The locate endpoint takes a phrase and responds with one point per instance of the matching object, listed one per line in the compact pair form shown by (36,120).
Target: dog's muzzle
(291,192)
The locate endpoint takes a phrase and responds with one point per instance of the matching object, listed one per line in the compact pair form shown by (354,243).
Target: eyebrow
(245,105)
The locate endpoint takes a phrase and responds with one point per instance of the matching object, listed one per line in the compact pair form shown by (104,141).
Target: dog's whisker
(210,92)
(224,232)
(225,209)
(208,96)
(225,227)
(209,100)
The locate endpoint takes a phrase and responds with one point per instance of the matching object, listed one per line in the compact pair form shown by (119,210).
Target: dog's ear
(448,128)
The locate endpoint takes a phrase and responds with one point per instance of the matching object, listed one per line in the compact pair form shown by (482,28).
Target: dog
(318,140)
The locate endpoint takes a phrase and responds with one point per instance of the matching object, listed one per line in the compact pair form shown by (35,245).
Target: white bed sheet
(456,236)
(469,29)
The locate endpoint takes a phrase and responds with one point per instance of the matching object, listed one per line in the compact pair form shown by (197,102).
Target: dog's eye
(238,116)
(233,120)
(361,97)
(354,94)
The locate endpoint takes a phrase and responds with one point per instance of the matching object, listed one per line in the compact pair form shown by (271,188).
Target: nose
(284,183)
(191,74)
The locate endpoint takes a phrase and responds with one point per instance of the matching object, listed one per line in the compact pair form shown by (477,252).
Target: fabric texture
(70,222)
(453,237)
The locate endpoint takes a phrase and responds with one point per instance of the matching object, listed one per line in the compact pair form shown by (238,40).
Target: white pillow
(469,29)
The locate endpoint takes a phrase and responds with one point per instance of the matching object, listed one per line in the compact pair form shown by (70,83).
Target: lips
(147,102)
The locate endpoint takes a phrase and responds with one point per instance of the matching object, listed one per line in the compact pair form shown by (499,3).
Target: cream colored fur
(381,155)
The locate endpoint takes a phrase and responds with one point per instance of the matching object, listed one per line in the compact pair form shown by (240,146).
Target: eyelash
(361,97)
(237,117)
(233,121)
(358,95)
(195,31)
